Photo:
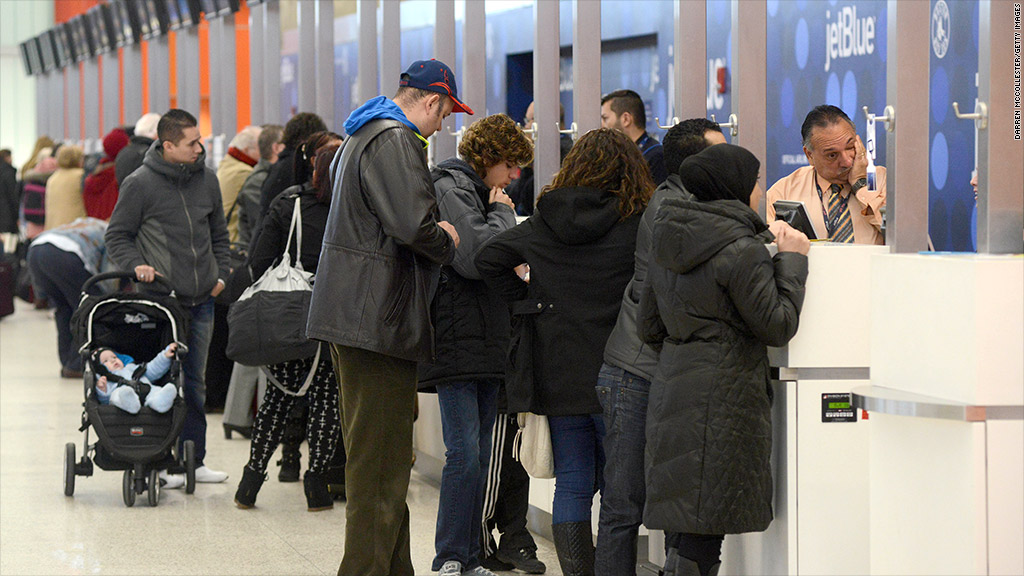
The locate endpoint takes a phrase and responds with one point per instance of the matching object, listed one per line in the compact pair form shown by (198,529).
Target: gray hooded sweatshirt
(170,217)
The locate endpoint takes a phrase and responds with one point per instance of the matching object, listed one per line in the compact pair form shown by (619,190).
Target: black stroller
(140,325)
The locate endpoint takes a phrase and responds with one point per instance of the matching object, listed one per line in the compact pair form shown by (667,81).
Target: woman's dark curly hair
(322,173)
(607,159)
(304,156)
(492,140)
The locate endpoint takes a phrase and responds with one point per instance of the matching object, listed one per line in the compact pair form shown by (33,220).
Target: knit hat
(721,172)
(114,142)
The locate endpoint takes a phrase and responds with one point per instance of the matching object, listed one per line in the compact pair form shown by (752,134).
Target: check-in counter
(946,401)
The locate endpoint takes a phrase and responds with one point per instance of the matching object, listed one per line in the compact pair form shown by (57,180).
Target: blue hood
(374,108)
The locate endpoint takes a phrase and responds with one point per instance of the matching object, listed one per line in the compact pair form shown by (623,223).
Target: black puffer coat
(471,321)
(722,299)
(581,258)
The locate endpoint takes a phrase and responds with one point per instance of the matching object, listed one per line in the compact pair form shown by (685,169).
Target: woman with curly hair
(579,246)
(471,329)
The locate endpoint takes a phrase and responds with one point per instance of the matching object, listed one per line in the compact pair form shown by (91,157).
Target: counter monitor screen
(794,213)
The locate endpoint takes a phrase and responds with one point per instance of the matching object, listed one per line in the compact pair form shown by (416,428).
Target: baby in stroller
(120,384)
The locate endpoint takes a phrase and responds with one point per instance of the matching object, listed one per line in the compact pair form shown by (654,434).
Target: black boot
(574,543)
(317,496)
(252,480)
(289,463)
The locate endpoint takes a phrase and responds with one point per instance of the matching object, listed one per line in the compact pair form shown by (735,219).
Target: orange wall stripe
(205,123)
(145,79)
(100,61)
(172,62)
(81,101)
(242,85)
(120,86)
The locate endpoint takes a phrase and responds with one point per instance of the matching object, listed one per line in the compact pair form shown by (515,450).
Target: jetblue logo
(848,36)
(135,318)
(940,28)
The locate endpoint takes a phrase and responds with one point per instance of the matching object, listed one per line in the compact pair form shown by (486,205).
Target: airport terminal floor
(44,532)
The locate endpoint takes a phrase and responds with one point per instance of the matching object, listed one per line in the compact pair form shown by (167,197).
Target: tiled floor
(44,532)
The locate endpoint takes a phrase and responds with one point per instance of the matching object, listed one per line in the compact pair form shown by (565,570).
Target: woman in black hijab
(718,299)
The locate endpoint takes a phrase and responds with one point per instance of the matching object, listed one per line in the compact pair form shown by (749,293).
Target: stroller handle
(92,281)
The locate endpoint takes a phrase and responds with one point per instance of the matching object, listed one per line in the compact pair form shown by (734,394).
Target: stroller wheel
(154,487)
(128,488)
(69,469)
(190,467)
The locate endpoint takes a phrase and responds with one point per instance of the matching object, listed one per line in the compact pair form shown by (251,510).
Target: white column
(444,50)
(586,66)
(366,14)
(256,82)
(473,86)
(689,64)
(307,55)
(132,63)
(325,61)
(272,64)
(749,90)
(159,63)
(391,47)
(545,93)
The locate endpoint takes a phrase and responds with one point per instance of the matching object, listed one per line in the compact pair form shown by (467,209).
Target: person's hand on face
(498,195)
(860,163)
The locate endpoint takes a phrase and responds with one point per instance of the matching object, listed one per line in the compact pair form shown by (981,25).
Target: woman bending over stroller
(114,385)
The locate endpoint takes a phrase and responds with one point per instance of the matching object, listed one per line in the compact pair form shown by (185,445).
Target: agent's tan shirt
(864,205)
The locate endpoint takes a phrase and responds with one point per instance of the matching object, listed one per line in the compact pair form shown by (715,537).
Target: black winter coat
(277,223)
(130,158)
(722,299)
(471,321)
(580,254)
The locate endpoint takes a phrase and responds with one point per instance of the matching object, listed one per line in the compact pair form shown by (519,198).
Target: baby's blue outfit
(160,398)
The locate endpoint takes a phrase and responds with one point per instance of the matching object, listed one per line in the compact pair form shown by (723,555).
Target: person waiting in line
(624,110)
(521,190)
(624,383)
(371,301)
(9,194)
(579,247)
(471,329)
(287,378)
(64,202)
(61,260)
(834,187)
(43,147)
(282,174)
(717,300)
(130,158)
(169,220)
(235,168)
(100,190)
(270,146)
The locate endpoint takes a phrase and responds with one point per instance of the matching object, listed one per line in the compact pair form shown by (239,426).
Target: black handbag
(267,324)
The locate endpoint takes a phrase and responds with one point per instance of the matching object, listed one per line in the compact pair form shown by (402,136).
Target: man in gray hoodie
(169,221)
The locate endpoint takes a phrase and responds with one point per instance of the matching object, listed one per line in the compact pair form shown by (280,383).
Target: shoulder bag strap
(305,385)
(296,229)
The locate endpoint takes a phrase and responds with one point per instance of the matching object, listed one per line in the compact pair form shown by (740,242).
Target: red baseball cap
(435,76)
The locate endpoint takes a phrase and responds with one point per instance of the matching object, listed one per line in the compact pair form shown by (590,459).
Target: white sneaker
(171,481)
(204,474)
(480,571)
(451,568)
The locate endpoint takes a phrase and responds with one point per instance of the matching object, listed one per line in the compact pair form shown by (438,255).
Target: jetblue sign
(848,35)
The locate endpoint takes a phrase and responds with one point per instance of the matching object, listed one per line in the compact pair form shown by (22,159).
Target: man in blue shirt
(624,110)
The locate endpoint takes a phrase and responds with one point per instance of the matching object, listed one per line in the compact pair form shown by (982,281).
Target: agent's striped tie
(839,216)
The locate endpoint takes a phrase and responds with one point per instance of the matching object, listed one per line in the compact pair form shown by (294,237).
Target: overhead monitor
(26,58)
(153,15)
(182,13)
(66,34)
(795,214)
(125,21)
(60,47)
(46,54)
(85,47)
(217,8)
(115,33)
(96,24)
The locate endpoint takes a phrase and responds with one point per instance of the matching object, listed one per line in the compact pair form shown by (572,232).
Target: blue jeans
(467,419)
(623,397)
(200,330)
(576,442)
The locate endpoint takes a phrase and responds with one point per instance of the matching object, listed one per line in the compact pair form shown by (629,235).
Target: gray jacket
(625,349)
(248,203)
(170,217)
(382,248)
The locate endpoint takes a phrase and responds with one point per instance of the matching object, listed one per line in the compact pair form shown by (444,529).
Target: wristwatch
(858,185)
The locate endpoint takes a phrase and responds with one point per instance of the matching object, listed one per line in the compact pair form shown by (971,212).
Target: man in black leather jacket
(378,267)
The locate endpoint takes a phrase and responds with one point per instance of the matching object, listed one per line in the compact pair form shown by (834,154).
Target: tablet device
(794,213)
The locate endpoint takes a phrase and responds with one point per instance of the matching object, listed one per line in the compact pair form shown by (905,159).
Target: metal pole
(750,97)
(444,50)
(586,66)
(307,55)
(111,92)
(391,47)
(545,93)
(689,64)
(91,87)
(473,87)
(131,58)
(256,83)
(272,64)
(325,61)
(229,78)
(1000,147)
(366,14)
(159,63)
(907,142)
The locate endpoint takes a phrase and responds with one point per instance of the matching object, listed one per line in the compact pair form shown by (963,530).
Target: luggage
(8,276)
